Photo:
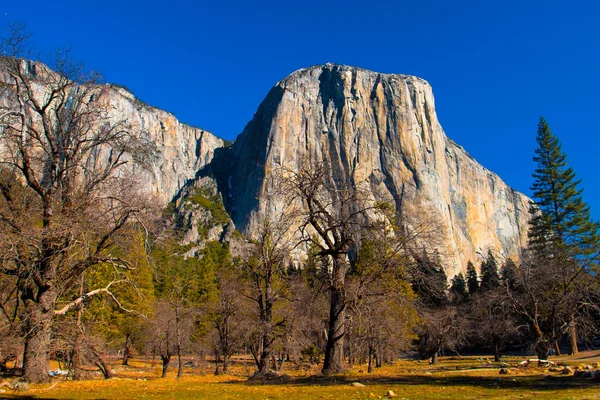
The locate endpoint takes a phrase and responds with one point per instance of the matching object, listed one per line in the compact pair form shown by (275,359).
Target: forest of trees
(92,268)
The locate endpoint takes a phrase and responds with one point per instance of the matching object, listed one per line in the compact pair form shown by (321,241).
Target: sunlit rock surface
(381,129)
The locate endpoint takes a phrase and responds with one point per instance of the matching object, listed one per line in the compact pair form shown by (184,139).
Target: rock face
(180,151)
(381,129)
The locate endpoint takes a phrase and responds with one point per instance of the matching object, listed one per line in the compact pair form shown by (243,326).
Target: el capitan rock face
(381,129)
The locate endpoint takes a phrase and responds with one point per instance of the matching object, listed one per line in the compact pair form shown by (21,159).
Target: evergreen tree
(472,279)
(429,280)
(562,234)
(561,219)
(508,274)
(458,289)
(489,273)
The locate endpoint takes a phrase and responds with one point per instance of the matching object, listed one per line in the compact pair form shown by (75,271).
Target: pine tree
(561,219)
(472,279)
(561,231)
(489,273)
(458,289)
(429,280)
(508,274)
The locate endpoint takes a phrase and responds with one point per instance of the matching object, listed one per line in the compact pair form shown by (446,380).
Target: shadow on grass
(506,381)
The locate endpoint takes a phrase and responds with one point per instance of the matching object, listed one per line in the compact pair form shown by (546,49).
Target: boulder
(567,370)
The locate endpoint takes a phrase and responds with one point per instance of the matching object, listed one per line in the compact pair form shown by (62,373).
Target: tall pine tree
(561,230)
(472,278)
(458,289)
(489,273)
(561,219)
(508,274)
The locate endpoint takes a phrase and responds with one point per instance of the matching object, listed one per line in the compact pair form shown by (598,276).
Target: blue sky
(495,66)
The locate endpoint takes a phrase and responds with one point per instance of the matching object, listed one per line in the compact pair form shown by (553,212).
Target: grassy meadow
(452,378)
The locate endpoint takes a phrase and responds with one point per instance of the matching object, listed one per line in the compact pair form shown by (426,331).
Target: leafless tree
(332,211)
(65,194)
(491,320)
(546,295)
(381,311)
(226,317)
(265,268)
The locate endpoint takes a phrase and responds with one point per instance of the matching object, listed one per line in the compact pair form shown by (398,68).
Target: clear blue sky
(495,66)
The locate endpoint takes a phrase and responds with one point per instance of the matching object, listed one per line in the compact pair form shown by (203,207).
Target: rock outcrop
(382,129)
(180,151)
(176,151)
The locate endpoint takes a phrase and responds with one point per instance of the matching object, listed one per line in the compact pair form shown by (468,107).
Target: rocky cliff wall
(382,129)
(180,151)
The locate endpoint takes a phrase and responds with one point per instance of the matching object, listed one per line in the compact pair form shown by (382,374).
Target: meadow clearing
(453,378)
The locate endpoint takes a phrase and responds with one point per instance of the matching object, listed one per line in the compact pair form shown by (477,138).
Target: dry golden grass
(465,378)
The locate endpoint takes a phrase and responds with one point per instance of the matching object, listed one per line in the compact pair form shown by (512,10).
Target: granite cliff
(376,128)
(179,150)
(381,129)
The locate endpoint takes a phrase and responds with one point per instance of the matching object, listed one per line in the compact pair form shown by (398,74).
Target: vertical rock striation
(381,129)
(180,151)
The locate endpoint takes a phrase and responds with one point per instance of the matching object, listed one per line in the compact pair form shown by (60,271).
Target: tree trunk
(573,348)
(99,361)
(217,370)
(542,350)
(370,366)
(104,369)
(556,348)
(334,350)
(496,351)
(165,364)
(77,361)
(282,357)
(225,363)
(350,355)
(179,364)
(263,361)
(38,321)
(434,358)
(378,359)
(126,351)
(178,338)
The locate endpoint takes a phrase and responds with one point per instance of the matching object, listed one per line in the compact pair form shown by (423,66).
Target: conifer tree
(472,279)
(561,231)
(458,289)
(508,274)
(561,219)
(429,280)
(489,273)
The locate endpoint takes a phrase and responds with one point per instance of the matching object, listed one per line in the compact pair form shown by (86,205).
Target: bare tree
(380,298)
(65,193)
(546,294)
(491,320)
(225,315)
(265,269)
(332,211)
